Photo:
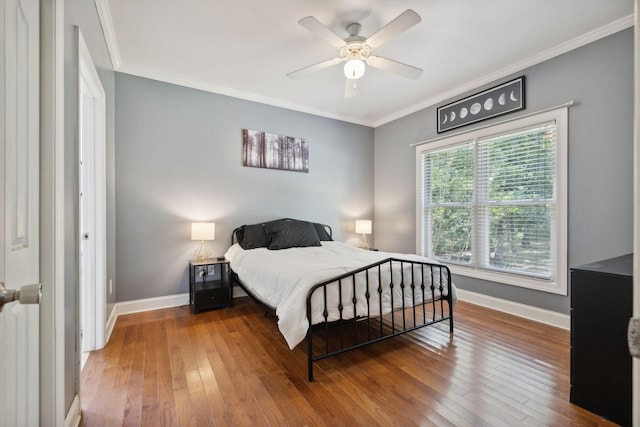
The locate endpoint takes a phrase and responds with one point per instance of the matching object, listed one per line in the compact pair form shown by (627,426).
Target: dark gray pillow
(323,234)
(291,234)
(254,236)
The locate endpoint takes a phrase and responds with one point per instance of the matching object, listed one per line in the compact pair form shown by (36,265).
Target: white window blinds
(515,200)
(448,202)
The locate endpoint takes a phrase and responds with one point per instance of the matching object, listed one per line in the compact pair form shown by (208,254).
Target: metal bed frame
(425,287)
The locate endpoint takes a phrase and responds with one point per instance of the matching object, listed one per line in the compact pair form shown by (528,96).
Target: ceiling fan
(356,50)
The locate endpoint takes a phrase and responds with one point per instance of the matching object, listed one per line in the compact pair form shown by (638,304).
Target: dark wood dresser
(601,306)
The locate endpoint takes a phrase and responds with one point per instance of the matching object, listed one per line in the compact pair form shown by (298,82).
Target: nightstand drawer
(214,297)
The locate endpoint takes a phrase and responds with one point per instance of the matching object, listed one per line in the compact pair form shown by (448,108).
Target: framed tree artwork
(271,151)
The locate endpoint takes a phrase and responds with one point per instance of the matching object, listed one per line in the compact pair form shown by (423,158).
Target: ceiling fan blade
(350,88)
(402,23)
(394,67)
(313,68)
(322,31)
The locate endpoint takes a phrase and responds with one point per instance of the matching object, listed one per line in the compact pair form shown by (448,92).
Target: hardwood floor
(232,367)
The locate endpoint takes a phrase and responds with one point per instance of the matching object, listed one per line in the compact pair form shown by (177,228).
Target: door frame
(636,209)
(52,309)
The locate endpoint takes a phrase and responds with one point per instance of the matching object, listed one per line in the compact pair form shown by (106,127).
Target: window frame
(559,275)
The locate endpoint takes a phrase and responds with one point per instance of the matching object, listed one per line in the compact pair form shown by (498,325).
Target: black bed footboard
(376,302)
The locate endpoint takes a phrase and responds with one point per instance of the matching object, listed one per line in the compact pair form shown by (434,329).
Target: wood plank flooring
(232,367)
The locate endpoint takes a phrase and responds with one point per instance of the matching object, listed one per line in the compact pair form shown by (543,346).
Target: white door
(19,211)
(93,246)
(87,294)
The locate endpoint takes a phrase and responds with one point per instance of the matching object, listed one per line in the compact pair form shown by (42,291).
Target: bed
(335,295)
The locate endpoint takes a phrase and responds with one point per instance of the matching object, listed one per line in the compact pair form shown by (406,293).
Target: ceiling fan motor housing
(356,46)
(355,50)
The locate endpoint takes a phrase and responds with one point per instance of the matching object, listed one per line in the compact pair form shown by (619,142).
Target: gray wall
(178,160)
(599,77)
(83,15)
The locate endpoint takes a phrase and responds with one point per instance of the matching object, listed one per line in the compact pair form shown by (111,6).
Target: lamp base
(364,244)
(203,252)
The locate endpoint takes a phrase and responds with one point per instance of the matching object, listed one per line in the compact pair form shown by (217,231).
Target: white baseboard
(239,292)
(137,306)
(541,315)
(74,415)
(147,304)
(157,303)
(111,323)
(140,305)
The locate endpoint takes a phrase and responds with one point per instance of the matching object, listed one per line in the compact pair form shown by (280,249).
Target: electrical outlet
(212,270)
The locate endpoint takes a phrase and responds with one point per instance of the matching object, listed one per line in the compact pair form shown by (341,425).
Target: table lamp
(203,231)
(363,226)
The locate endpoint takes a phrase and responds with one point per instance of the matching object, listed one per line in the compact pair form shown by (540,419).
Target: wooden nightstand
(209,284)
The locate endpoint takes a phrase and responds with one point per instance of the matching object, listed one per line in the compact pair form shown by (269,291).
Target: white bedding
(283,278)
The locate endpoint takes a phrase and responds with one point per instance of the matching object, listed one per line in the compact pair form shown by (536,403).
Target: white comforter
(282,278)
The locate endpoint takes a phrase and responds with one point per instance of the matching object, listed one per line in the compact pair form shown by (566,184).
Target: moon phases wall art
(502,99)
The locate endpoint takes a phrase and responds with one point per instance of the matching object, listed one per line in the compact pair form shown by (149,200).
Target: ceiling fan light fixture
(354,69)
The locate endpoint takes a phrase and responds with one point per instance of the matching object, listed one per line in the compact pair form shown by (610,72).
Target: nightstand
(209,284)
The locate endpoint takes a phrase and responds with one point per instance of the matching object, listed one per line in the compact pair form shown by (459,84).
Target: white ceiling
(245,48)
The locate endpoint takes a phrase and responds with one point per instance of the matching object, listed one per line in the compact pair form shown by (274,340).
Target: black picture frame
(496,101)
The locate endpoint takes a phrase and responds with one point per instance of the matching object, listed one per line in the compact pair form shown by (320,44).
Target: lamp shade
(363,226)
(354,69)
(203,231)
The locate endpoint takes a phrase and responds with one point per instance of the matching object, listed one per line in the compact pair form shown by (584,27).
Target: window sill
(553,287)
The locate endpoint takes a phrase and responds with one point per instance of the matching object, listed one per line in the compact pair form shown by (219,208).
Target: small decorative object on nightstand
(209,284)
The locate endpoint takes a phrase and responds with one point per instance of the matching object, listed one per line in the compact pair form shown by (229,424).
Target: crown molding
(104,14)
(590,37)
(247,96)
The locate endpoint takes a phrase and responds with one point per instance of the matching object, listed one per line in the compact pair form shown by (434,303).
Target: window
(492,202)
